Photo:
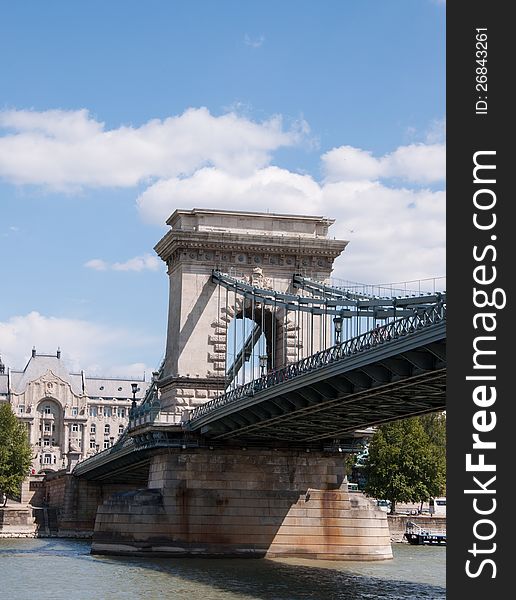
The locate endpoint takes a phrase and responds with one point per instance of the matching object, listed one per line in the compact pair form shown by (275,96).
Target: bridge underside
(321,411)
(380,385)
(120,466)
(324,407)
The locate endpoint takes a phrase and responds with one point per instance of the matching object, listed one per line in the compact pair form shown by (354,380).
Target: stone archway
(280,330)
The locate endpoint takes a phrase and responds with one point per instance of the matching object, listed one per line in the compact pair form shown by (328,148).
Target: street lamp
(263,363)
(135,388)
(337,321)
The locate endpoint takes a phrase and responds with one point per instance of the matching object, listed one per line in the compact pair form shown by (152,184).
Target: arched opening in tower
(259,339)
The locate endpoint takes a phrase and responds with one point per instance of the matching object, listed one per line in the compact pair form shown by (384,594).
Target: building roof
(38,366)
(97,387)
(93,387)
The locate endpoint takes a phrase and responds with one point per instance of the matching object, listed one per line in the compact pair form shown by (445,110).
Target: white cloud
(271,189)
(394,233)
(348,163)
(97,264)
(70,149)
(84,344)
(436,132)
(417,163)
(199,160)
(139,263)
(253,42)
(148,262)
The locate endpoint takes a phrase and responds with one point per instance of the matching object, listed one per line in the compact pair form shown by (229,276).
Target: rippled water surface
(65,569)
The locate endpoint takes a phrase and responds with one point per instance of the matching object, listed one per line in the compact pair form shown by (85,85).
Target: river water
(62,569)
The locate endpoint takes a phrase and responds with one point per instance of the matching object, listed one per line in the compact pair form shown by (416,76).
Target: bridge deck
(404,377)
(365,381)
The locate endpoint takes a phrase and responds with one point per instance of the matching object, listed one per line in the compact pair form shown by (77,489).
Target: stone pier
(243,502)
(17,521)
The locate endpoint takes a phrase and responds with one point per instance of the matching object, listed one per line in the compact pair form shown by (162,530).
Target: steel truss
(412,346)
(329,300)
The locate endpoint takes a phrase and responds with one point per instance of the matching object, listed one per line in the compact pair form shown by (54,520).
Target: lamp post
(263,363)
(337,322)
(135,388)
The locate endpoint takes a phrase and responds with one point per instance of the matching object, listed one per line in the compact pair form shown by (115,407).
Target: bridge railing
(121,443)
(124,439)
(145,415)
(371,339)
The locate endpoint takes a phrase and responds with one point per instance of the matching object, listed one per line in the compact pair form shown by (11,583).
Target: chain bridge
(271,371)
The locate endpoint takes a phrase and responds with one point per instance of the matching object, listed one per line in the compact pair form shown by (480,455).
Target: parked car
(437,506)
(384,505)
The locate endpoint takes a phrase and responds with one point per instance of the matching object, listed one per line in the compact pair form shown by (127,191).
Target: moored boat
(418,536)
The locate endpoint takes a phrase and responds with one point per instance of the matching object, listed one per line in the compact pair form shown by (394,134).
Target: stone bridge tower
(222,498)
(267,250)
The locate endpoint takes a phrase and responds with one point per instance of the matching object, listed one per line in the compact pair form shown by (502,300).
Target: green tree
(406,461)
(15,452)
(434,425)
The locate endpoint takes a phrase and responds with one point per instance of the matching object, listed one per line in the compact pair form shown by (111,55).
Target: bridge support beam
(243,502)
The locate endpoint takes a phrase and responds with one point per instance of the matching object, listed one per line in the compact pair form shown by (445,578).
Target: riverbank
(398,523)
(17,521)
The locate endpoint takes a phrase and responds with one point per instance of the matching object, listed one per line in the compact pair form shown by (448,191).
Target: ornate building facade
(69,416)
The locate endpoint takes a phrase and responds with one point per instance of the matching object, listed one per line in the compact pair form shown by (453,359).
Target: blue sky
(115,113)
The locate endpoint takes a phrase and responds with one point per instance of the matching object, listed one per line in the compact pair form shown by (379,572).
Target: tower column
(239,243)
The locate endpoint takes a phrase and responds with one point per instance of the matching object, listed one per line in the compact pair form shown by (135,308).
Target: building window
(75,427)
(93,411)
(46,442)
(47,459)
(47,410)
(92,444)
(107,411)
(21,409)
(75,411)
(93,428)
(47,428)
(121,412)
(106,444)
(106,429)
(53,441)
(120,429)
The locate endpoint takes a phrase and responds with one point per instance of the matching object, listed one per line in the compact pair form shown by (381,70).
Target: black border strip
(479,120)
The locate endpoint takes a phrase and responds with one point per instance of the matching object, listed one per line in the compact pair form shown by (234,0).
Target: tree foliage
(15,452)
(407,460)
